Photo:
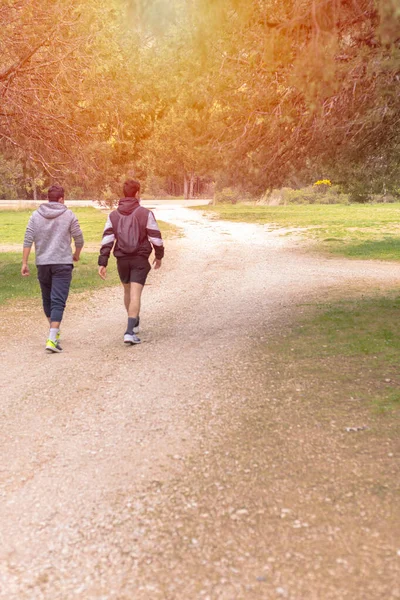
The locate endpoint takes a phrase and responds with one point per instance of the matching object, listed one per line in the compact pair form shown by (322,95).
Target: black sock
(132,322)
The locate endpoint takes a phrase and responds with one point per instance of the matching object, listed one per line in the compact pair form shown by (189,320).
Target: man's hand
(25,270)
(103,272)
(76,255)
(157,263)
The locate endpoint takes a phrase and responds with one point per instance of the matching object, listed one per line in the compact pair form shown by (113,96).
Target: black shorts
(133,269)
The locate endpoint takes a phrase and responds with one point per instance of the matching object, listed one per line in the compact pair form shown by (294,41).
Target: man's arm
(77,235)
(28,241)
(25,268)
(155,238)
(107,244)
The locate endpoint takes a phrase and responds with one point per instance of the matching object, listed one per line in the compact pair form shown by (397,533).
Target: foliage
(227,196)
(323,194)
(156,186)
(323,183)
(309,86)
(250,95)
(315,195)
(108,199)
(10,178)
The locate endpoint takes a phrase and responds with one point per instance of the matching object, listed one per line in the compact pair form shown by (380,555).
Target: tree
(307,86)
(59,61)
(253,94)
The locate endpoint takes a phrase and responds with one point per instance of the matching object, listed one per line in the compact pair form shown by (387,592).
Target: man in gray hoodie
(51,229)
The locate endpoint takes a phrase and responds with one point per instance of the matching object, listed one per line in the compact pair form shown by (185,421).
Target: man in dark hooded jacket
(51,228)
(133,221)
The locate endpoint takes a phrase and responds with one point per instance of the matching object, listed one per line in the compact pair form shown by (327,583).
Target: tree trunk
(25,178)
(191,189)
(185,187)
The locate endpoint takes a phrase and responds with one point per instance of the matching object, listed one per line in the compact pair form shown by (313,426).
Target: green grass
(388,401)
(169,231)
(357,340)
(387,248)
(13,224)
(84,277)
(369,327)
(370,231)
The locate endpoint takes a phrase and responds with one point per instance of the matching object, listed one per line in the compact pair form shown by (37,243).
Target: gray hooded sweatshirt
(51,227)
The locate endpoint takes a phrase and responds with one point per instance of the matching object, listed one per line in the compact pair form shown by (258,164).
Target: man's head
(131,188)
(55,193)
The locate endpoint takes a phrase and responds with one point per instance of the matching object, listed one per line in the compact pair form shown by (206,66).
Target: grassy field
(369,231)
(85,276)
(13,224)
(345,352)
(12,229)
(352,347)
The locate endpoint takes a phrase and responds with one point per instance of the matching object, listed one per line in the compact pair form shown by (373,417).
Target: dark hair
(55,192)
(131,188)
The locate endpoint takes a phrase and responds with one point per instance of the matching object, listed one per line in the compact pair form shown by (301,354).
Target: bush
(108,198)
(76,193)
(155,187)
(307,195)
(227,196)
(322,186)
(359,192)
(312,195)
(385,199)
(360,197)
(274,198)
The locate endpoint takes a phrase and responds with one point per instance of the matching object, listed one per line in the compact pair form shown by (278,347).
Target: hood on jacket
(51,210)
(127,205)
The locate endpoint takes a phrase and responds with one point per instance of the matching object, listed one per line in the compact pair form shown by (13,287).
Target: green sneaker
(53,347)
(58,341)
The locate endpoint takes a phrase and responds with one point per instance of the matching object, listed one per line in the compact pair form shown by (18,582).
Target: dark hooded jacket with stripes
(150,235)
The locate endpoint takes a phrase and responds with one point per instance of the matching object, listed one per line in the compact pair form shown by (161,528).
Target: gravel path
(190,467)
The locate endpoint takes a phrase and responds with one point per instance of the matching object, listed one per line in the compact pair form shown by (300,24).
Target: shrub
(311,195)
(303,196)
(108,198)
(360,197)
(359,192)
(227,196)
(155,187)
(322,186)
(307,195)
(274,198)
(76,193)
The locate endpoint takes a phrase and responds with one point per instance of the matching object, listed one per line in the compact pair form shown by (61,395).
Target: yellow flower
(323,182)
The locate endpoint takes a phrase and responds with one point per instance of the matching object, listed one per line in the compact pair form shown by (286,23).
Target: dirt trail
(189,468)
